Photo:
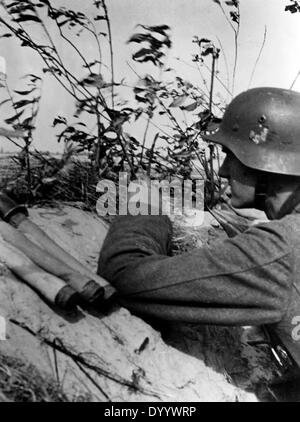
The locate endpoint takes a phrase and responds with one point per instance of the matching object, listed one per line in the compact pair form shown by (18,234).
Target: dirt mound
(94,357)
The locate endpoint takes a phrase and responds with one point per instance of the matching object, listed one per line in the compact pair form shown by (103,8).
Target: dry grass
(20,382)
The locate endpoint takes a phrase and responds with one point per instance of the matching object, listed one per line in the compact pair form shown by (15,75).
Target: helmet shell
(261,127)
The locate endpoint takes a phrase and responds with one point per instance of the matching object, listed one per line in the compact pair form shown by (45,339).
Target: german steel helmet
(261,127)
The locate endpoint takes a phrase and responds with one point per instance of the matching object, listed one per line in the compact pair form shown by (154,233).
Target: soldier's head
(260,134)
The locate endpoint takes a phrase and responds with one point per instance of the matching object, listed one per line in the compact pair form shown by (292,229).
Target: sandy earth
(118,356)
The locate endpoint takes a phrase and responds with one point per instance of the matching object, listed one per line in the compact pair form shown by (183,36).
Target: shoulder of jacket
(288,226)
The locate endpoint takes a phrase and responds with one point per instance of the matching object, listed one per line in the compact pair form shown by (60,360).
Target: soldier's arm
(243,280)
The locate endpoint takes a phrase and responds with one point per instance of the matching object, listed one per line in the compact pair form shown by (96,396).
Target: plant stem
(144,139)
(211,165)
(151,154)
(258,57)
(111,52)
(212,82)
(236,35)
(226,65)
(295,79)
(28,167)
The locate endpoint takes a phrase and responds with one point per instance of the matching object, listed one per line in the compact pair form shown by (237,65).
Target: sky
(278,65)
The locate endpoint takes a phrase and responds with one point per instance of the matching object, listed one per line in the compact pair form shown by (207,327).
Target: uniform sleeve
(239,281)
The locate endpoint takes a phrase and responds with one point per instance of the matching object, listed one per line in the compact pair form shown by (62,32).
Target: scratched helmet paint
(261,127)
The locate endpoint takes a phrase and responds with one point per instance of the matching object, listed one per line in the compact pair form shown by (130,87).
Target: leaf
(59,120)
(33,77)
(109,85)
(178,101)
(27,123)
(161,29)
(97,3)
(191,107)
(25,92)
(62,23)
(14,118)
(100,18)
(94,80)
(234,17)
(91,64)
(293,8)
(142,52)
(20,8)
(35,113)
(204,40)
(14,3)
(52,70)
(25,18)
(47,2)
(5,101)
(138,38)
(25,43)
(23,103)
(207,51)
(6,35)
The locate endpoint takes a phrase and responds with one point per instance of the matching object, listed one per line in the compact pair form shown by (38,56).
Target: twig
(111,52)
(53,47)
(94,33)
(24,36)
(203,79)
(56,364)
(258,57)
(73,46)
(144,139)
(226,17)
(226,65)
(11,99)
(236,35)
(122,142)
(172,118)
(216,76)
(93,381)
(294,81)
(151,154)
(212,81)
(27,39)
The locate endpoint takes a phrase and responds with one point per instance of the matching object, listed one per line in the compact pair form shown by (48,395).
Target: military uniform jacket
(251,279)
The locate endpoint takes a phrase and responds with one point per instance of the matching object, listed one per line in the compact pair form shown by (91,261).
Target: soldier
(250,279)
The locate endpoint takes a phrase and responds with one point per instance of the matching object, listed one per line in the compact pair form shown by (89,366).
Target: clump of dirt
(20,382)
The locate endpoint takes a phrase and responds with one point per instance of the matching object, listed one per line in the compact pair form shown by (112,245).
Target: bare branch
(258,57)
(295,79)
(111,52)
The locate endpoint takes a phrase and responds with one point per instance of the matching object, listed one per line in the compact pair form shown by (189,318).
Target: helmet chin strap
(261,191)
